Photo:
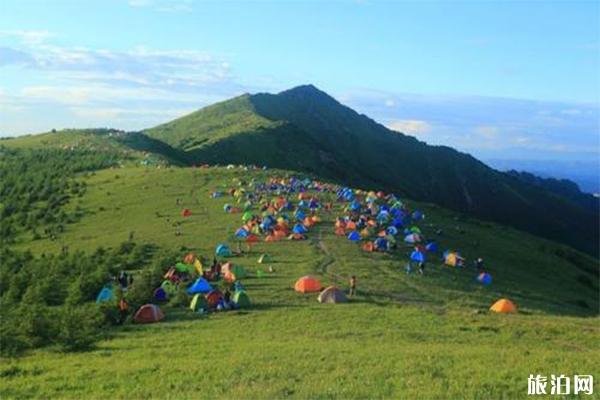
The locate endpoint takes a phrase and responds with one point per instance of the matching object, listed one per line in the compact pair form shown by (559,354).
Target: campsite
(355,199)
(394,316)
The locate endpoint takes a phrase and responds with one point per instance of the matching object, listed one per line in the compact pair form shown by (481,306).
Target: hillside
(305,129)
(426,336)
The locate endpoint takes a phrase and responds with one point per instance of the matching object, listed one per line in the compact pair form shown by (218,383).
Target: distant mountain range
(305,129)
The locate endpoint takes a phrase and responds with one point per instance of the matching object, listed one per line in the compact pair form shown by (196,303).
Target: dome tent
(504,306)
(307,284)
(332,295)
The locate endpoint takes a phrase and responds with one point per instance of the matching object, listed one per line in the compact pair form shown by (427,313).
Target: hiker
(123,281)
(352,291)
(422,267)
(123,308)
(479,264)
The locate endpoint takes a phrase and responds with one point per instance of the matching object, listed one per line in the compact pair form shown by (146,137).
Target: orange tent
(340,224)
(307,284)
(340,231)
(189,258)
(148,313)
(350,226)
(271,238)
(504,306)
(252,238)
(369,246)
(280,233)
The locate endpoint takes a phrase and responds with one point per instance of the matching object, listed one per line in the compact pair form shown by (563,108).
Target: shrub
(78,328)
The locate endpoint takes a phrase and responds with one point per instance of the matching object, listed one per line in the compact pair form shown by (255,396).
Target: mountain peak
(306,91)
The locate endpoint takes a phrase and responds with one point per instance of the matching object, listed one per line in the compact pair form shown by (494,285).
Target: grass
(403,336)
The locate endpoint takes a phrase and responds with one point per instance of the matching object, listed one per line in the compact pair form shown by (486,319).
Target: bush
(78,328)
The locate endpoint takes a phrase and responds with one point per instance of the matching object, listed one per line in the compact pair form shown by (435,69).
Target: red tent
(186,212)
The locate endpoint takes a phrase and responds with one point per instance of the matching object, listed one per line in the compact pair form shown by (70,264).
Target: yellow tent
(198,266)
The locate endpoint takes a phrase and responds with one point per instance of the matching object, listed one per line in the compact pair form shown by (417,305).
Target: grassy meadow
(402,336)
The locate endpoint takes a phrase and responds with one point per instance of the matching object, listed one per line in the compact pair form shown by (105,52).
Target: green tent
(247,216)
(260,273)
(181,267)
(198,302)
(169,287)
(415,229)
(241,299)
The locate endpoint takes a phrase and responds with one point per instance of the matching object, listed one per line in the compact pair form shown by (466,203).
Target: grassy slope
(404,336)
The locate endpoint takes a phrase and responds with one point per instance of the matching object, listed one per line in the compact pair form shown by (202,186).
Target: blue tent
(223,250)
(417,215)
(300,215)
(106,294)
(432,247)
(241,233)
(299,228)
(354,206)
(354,236)
(200,286)
(417,256)
(391,230)
(484,278)
(160,294)
(380,243)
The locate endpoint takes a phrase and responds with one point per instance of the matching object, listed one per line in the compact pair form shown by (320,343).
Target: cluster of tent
(330,294)
(203,296)
(379,221)
(284,208)
(270,212)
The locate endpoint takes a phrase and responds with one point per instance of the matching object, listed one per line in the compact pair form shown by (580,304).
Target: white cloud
(410,127)
(28,37)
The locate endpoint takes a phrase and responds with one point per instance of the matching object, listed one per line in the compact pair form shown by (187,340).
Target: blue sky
(509,79)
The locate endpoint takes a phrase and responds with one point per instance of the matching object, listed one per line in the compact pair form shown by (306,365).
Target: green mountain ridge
(307,130)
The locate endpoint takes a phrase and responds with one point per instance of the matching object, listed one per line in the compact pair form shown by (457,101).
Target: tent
(412,238)
(160,294)
(201,285)
(186,212)
(189,258)
(484,278)
(369,246)
(198,302)
(106,294)
(264,258)
(504,306)
(417,256)
(241,233)
(169,287)
(241,299)
(300,229)
(452,259)
(247,216)
(431,247)
(213,298)
(148,313)
(252,238)
(332,295)
(307,284)
(181,267)
(354,236)
(223,250)
(198,266)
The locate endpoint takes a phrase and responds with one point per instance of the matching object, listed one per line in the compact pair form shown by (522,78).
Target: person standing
(352,291)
